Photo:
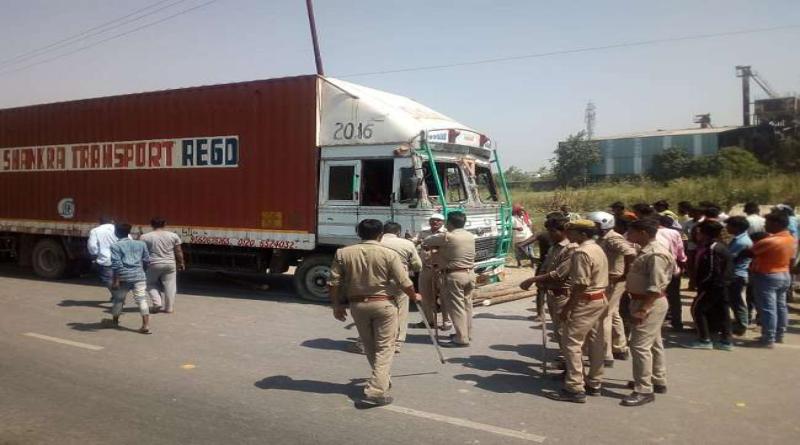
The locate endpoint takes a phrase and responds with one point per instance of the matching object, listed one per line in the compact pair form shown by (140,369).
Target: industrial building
(632,154)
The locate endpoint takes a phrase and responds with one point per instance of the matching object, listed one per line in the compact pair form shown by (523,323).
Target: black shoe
(621,355)
(594,392)
(677,328)
(608,363)
(452,344)
(636,399)
(658,389)
(379,401)
(566,396)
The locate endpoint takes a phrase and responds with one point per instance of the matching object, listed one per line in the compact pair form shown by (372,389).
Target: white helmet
(606,220)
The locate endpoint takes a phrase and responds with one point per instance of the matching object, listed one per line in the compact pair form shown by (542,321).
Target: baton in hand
(430,332)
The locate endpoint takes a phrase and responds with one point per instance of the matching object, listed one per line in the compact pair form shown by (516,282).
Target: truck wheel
(49,259)
(311,278)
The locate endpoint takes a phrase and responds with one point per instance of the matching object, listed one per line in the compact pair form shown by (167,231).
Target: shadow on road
(352,390)
(491,316)
(83,303)
(99,326)
(328,344)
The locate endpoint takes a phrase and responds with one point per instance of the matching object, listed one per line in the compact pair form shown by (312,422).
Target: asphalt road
(237,364)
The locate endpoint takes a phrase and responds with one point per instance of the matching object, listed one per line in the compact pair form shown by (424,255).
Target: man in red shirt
(771,280)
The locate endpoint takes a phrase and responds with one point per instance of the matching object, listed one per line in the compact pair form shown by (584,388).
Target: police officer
(553,274)
(412,263)
(587,303)
(429,273)
(647,281)
(457,255)
(362,276)
(620,254)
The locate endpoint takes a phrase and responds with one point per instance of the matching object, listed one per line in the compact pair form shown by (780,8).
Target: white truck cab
(387,157)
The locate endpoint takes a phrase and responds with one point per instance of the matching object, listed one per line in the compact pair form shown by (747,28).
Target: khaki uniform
(413,263)
(616,248)
(588,267)
(651,271)
(427,276)
(457,282)
(556,286)
(366,270)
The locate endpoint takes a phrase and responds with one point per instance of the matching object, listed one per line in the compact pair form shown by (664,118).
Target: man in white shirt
(99,245)
(755,220)
(522,233)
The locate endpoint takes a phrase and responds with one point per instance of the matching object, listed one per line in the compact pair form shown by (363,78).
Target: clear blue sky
(525,105)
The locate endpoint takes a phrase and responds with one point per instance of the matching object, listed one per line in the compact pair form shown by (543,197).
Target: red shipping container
(229,164)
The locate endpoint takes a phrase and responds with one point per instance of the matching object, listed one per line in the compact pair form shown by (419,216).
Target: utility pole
(313,25)
(590,117)
(744,72)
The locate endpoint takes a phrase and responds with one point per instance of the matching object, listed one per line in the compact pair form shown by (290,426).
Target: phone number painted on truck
(198,152)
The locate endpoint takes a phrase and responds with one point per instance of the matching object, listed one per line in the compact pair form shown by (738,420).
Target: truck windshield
(487,190)
(452,181)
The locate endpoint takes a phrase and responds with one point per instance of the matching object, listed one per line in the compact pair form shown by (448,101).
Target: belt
(595,295)
(558,292)
(643,296)
(463,269)
(370,298)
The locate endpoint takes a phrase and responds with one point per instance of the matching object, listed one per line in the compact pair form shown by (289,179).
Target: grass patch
(726,191)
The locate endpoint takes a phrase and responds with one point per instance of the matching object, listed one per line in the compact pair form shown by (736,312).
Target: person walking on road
(737,227)
(772,257)
(620,254)
(457,254)
(521,236)
(710,308)
(588,275)
(129,258)
(429,275)
(166,259)
(99,246)
(553,275)
(412,263)
(646,282)
(671,238)
(362,276)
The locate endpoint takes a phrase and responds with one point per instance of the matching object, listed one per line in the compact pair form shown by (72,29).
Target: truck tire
(49,259)
(311,278)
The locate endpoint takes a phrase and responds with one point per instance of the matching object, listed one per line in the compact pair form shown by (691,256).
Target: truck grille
(485,248)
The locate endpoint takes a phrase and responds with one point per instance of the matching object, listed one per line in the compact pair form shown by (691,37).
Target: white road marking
(64,342)
(466,423)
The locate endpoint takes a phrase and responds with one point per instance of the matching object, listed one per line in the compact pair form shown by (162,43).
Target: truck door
(339,197)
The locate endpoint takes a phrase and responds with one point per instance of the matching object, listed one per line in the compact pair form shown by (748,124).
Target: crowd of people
(147,268)
(609,271)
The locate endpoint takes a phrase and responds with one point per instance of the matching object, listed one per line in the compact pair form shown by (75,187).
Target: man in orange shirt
(771,280)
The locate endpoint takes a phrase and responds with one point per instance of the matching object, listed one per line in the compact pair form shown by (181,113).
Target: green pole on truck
(423,141)
(506,224)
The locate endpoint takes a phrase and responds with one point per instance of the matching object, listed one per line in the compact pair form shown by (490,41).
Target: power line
(116,36)
(91,32)
(574,51)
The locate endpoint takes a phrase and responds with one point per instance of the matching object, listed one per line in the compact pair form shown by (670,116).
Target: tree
(574,158)
(516,174)
(672,163)
(788,155)
(736,161)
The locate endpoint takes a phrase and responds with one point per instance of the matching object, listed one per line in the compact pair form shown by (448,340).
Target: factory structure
(632,154)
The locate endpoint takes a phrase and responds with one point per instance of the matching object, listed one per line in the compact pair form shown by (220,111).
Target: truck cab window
(408,185)
(377,184)
(452,181)
(340,182)
(487,190)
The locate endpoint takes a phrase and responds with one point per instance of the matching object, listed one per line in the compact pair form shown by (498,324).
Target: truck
(265,176)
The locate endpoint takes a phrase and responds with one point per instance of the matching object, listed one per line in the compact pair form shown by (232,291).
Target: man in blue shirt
(737,226)
(128,260)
